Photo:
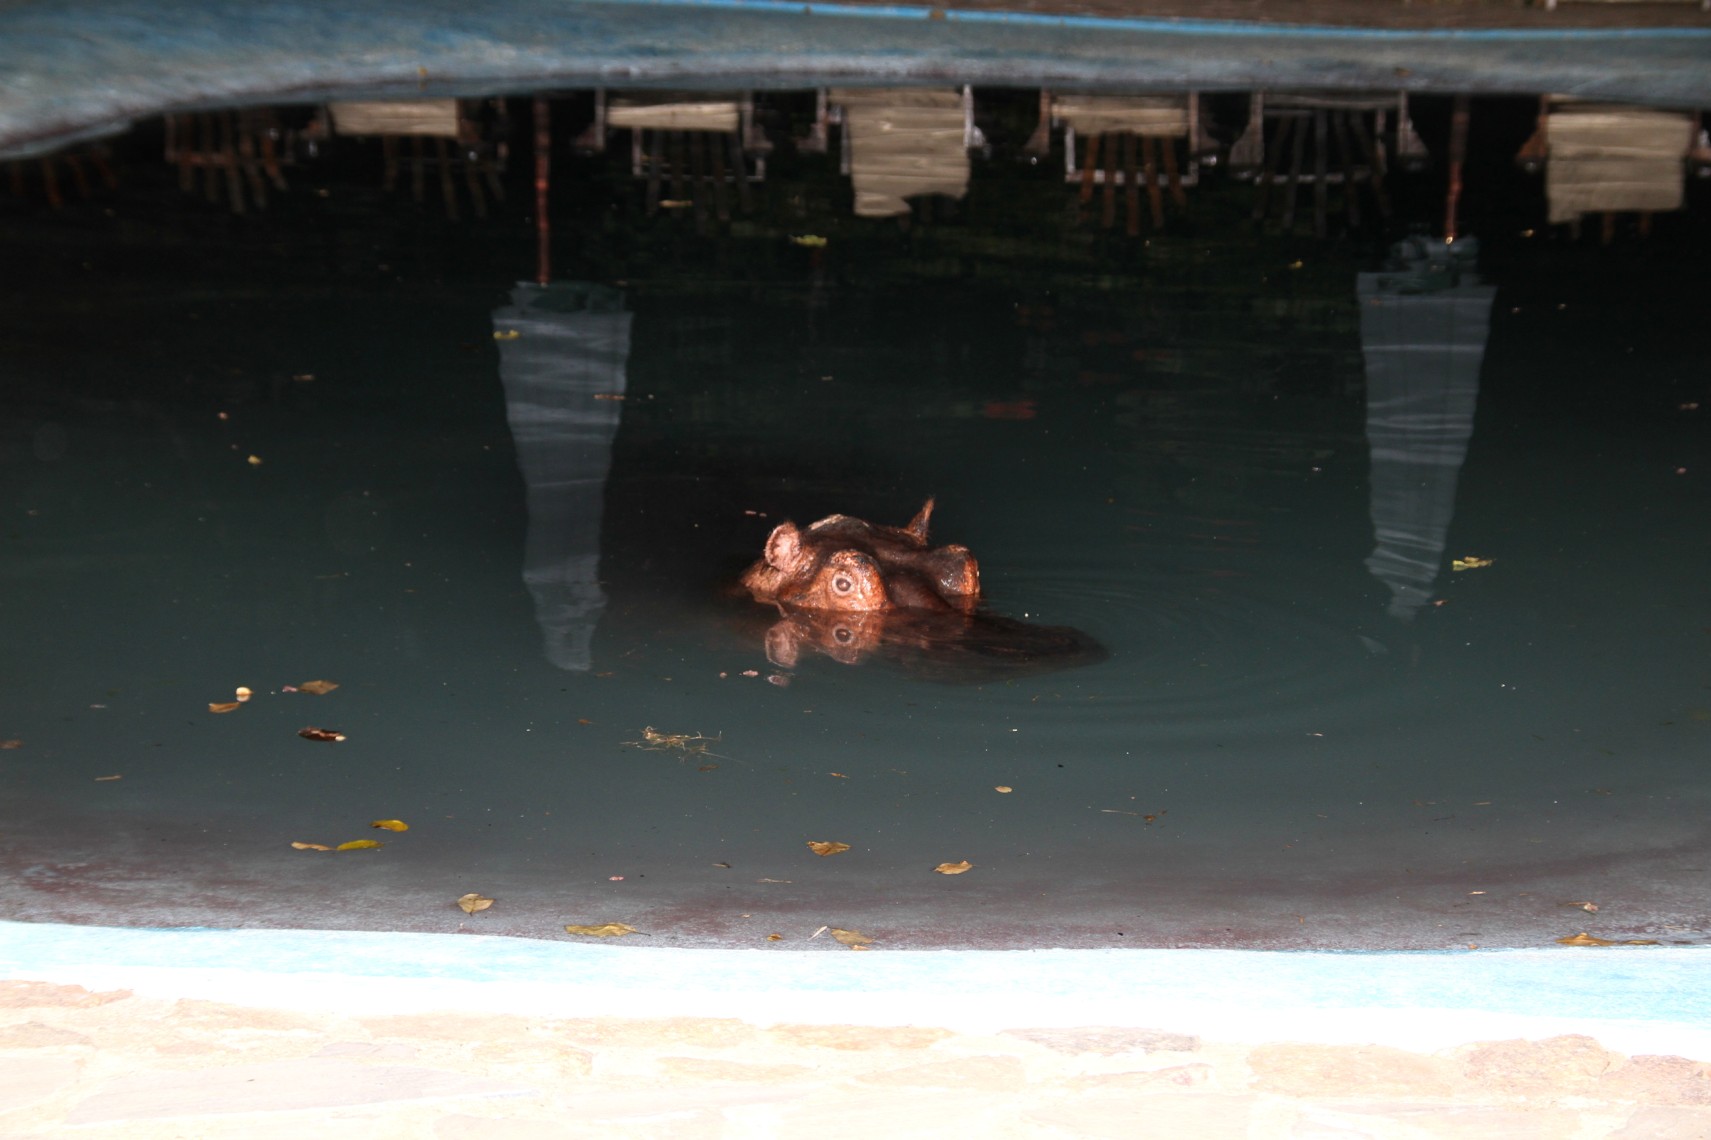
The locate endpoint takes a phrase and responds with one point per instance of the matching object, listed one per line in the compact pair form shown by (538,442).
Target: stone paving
(113,1064)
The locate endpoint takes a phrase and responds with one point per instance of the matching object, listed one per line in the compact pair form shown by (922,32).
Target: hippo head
(845,565)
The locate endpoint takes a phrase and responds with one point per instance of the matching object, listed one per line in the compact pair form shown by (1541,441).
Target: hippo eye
(843,635)
(843,584)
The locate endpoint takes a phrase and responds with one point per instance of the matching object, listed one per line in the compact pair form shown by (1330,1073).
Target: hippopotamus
(851,590)
(846,565)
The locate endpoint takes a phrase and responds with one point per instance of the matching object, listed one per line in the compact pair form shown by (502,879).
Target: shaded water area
(336,440)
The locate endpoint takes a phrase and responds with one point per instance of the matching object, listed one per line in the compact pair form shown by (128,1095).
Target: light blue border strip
(1628,984)
(1181,26)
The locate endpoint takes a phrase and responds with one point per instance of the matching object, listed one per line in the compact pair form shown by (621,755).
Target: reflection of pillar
(1423,335)
(562,353)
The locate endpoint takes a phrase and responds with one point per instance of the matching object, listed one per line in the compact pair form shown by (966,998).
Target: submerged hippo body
(850,590)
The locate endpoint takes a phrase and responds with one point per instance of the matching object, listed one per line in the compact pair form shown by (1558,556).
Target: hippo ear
(918,525)
(783,547)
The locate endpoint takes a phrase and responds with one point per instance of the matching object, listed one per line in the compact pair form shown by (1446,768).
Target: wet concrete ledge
(83,68)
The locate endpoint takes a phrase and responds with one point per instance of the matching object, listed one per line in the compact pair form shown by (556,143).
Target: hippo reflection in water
(852,590)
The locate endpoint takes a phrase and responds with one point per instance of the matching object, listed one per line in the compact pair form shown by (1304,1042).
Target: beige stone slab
(274,1086)
(31,1080)
(1108,1040)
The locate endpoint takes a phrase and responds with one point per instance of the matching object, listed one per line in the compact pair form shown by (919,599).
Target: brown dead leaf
(473,902)
(320,734)
(317,687)
(222,706)
(6,745)
(1005,788)
(391,824)
(954,868)
(1585,939)
(824,847)
(359,845)
(1588,907)
(849,937)
(311,847)
(604,930)
(775,938)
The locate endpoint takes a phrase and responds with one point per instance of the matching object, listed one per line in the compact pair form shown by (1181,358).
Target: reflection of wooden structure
(1606,159)
(470,137)
(47,169)
(1145,130)
(903,142)
(1323,139)
(702,145)
(236,153)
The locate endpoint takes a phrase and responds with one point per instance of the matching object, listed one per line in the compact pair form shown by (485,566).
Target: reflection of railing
(1423,328)
(1145,129)
(470,137)
(237,154)
(698,143)
(1330,139)
(563,350)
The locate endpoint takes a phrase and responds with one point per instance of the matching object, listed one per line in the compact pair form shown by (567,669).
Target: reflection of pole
(543,165)
(1458,152)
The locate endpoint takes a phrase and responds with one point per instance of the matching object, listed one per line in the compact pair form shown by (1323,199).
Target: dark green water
(1183,446)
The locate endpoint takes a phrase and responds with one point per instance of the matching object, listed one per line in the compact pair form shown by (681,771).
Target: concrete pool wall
(91,67)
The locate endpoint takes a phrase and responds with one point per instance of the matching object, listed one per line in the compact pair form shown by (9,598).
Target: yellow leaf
(255,461)
(243,693)
(358,845)
(1470,563)
(506,334)
(953,868)
(222,706)
(849,937)
(311,847)
(605,930)
(317,687)
(391,824)
(775,938)
(810,241)
(320,734)
(473,902)
(1585,939)
(1005,788)
(821,847)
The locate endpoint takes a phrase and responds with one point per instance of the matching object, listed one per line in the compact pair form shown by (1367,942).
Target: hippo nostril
(842,584)
(843,635)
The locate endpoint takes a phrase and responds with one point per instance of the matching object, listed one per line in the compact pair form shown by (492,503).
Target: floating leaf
(1005,788)
(104,779)
(473,902)
(1585,939)
(850,938)
(244,693)
(1588,907)
(775,938)
(954,868)
(222,706)
(1471,563)
(822,847)
(13,743)
(317,687)
(320,734)
(808,241)
(506,334)
(311,847)
(604,930)
(358,845)
(391,824)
